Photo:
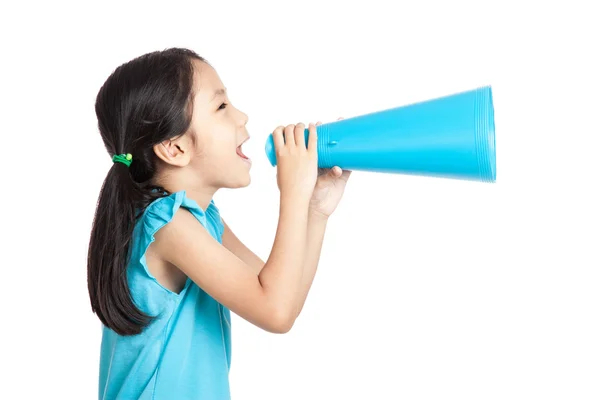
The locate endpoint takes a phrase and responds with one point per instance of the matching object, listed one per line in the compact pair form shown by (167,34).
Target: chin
(240,183)
(243,184)
(247,181)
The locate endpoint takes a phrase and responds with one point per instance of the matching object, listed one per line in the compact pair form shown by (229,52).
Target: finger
(278,137)
(318,123)
(336,172)
(312,139)
(340,118)
(289,136)
(299,135)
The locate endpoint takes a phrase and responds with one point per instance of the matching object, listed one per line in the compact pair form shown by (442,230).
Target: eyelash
(222,106)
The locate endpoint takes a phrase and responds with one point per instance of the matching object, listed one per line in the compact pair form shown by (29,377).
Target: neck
(201,194)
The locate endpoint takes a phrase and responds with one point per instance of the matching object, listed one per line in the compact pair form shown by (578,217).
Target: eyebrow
(218,92)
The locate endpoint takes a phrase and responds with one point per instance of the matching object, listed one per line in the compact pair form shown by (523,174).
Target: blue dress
(185,352)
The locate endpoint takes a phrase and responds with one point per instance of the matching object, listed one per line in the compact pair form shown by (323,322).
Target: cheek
(217,141)
(200,146)
(219,149)
(224,141)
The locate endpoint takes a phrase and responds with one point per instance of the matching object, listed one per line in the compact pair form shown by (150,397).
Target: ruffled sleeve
(158,214)
(146,289)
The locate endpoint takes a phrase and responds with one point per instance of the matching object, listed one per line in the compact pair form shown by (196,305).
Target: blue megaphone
(448,137)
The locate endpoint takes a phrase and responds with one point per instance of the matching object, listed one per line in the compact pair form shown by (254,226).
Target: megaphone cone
(450,137)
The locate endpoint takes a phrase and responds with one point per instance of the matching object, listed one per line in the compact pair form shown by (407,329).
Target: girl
(164,269)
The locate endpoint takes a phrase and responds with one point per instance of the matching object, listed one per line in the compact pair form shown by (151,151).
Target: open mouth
(240,152)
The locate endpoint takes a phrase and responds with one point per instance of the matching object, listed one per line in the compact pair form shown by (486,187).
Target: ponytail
(109,252)
(142,103)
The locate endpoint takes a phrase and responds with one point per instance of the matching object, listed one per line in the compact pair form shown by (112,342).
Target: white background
(427,288)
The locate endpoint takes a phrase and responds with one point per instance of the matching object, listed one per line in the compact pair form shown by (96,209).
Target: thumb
(335,172)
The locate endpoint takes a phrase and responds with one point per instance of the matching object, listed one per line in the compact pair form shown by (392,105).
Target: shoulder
(171,227)
(161,211)
(177,209)
(175,222)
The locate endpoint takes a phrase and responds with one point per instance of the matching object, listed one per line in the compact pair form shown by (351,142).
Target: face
(219,130)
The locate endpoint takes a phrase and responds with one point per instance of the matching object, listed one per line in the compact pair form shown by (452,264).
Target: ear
(173,152)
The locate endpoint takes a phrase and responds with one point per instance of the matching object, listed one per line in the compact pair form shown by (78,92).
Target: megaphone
(448,137)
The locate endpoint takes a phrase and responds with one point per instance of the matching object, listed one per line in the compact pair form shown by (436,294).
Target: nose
(242,119)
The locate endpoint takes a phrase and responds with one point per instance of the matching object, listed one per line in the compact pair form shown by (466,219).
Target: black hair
(142,103)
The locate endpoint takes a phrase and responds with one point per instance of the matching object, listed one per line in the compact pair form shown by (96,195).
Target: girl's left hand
(328,189)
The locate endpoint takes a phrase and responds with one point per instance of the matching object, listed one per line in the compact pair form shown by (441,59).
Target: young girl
(164,269)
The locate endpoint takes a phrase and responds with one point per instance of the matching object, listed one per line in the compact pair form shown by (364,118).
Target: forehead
(206,81)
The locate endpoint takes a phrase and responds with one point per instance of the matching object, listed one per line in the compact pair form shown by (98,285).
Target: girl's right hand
(297,168)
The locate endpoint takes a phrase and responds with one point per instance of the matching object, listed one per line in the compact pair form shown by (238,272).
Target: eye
(222,106)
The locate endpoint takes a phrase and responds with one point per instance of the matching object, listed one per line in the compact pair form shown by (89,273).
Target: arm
(235,245)
(269,299)
(317,223)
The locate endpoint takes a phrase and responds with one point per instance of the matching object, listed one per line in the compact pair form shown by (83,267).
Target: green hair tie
(123,158)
